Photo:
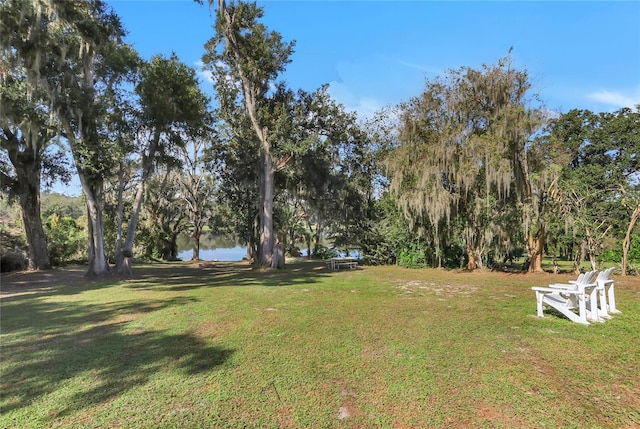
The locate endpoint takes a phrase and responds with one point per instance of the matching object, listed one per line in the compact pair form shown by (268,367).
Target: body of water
(220,248)
(212,248)
(219,254)
(234,254)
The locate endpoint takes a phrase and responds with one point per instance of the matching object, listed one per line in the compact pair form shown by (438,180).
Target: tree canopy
(470,172)
(461,157)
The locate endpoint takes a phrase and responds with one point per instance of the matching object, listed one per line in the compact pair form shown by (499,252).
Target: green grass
(222,345)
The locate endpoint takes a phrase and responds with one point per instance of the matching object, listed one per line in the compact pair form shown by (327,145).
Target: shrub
(12,260)
(413,256)
(323,252)
(65,239)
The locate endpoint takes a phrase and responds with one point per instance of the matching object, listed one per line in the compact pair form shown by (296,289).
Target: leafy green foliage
(164,218)
(324,252)
(67,241)
(598,187)
(461,157)
(413,255)
(612,252)
(388,234)
(173,114)
(171,100)
(67,59)
(64,205)
(232,158)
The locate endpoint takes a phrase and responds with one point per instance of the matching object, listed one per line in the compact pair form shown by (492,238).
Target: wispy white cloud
(364,106)
(207,75)
(424,68)
(616,99)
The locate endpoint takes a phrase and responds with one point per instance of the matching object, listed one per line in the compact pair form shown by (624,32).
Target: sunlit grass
(222,345)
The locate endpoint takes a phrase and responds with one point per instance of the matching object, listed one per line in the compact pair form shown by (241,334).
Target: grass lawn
(221,345)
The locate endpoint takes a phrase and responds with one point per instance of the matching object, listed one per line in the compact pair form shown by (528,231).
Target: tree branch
(7,181)
(248,87)
(282,162)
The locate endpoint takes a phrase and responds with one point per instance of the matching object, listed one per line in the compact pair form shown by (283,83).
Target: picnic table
(342,262)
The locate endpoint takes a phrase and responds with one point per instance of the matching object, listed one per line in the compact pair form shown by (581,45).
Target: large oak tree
(173,109)
(71,56)
(599,193)
(463,155)
(247,59)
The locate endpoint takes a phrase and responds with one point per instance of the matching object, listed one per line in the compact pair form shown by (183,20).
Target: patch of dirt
(348,402)
(286,417)
(486,412)
(423,288)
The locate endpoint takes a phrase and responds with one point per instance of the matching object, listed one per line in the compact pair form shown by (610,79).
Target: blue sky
(579,54)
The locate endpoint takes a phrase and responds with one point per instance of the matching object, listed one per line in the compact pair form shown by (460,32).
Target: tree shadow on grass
(37,317)
(187,276)
(174,276)
(15,286)
(53,345)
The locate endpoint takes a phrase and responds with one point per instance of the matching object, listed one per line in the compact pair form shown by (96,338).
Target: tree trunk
(278,256)
(80,122)
(592,260)
(626,244)
(590,247)
(478,251)
(147,167)
(36,238)
(196,244)
(27,164)
(316,235)
(131,229)
(266,211)
(471,262)
(536,250)
(30,204)
(120,214)
(98,264)
(577,261)
(254,230)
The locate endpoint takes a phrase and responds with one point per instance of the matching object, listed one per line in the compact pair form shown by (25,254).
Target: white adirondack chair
(567,297)
(606,293)
(587,280)
(580,279)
